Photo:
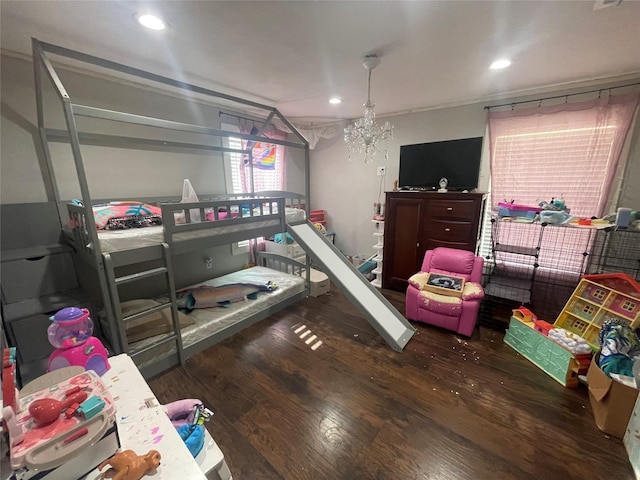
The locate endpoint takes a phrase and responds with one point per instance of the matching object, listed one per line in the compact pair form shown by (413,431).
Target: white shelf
(378,247)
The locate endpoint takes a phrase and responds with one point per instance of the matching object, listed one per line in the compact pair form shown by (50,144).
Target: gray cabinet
(36,280)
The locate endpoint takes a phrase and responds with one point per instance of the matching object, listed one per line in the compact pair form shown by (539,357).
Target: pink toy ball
(70,332)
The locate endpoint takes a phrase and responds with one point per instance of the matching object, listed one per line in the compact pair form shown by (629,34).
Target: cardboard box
(611,401)
(444,284)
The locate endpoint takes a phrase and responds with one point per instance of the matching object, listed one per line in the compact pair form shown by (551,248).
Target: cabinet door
(403,251)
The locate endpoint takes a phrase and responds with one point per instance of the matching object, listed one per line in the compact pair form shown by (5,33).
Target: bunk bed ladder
(119,259)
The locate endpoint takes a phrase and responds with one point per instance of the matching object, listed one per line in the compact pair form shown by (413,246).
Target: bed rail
(221,222)
(280,263)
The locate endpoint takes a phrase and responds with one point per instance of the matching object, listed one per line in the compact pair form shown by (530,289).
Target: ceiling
(295,55)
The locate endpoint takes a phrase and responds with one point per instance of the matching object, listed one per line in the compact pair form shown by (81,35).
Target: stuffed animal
(128,465)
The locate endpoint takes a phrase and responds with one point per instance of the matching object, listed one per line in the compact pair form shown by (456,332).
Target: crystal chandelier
(365,135)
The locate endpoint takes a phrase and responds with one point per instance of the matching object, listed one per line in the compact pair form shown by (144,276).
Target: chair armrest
(472,291)
(419,280)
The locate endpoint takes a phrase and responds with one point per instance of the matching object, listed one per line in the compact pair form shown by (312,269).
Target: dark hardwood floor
(447,408)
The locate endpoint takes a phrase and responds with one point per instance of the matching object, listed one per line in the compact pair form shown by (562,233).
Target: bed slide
(383,316)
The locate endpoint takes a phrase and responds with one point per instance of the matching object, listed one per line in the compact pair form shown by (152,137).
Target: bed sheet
(114,240)
(209,321)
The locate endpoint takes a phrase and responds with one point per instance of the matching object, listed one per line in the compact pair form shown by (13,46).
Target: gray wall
(111,172)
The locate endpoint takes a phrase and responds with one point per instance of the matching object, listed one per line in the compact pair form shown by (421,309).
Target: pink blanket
(121,215)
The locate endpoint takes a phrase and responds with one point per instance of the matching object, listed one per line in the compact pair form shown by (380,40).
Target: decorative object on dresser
(419,221)
(446,292)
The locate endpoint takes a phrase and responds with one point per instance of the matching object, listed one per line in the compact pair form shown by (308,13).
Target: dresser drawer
(449,231)
(35,277)
(460,209)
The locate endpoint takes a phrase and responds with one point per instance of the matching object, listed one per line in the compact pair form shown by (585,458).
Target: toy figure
(70,332)
(128,465)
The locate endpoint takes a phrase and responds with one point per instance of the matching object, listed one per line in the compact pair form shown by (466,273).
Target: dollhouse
(597,298)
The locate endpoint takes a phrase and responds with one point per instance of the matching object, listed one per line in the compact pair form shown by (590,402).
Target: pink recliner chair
(451,312)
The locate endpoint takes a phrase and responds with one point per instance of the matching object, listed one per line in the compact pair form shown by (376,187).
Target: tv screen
(424,164)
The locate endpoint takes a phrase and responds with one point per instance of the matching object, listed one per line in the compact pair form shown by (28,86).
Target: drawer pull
(449,209)
(447,229)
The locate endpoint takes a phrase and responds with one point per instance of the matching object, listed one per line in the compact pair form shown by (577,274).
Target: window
(268,168)
(569,151)
(268,164)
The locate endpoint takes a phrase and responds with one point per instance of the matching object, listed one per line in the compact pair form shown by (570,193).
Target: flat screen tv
(424,164)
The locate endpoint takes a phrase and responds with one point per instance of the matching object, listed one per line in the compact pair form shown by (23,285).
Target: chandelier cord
(369,88)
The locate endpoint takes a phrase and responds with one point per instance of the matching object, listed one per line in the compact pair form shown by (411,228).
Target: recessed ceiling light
(151,21)
(498,64)
(335,101)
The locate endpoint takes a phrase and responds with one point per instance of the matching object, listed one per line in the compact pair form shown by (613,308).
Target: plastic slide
(383,316)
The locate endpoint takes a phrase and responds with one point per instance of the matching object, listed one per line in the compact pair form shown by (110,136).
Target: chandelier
(365,135)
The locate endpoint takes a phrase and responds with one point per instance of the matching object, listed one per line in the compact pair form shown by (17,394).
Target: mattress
(114,240)
(209,321)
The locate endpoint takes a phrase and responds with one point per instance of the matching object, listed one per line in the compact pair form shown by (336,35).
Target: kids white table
(143,426)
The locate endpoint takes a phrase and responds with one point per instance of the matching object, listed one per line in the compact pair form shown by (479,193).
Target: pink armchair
(450,312)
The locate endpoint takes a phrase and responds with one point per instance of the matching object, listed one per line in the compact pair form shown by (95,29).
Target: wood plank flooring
(447,408)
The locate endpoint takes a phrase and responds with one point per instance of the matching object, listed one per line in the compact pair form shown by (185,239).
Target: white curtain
(569,151)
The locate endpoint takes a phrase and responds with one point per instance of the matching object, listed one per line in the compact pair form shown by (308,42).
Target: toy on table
(53,425)
(46,410)
(188,417)
(128,465)
(70,333)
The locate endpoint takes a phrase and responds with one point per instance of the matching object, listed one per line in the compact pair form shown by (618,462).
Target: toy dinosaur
(128,465)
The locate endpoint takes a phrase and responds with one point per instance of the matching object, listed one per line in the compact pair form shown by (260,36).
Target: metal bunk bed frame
(106,264)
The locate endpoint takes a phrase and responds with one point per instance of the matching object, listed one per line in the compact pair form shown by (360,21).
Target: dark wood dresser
(419,221)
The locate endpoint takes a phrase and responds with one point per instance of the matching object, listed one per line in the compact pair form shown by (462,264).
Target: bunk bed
(121,257)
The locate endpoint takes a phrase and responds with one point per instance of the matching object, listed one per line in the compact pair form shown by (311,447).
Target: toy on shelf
(70,333)
(128,465)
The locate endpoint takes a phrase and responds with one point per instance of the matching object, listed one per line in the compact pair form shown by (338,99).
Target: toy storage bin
(320,283)
(514,210)
(555,360)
